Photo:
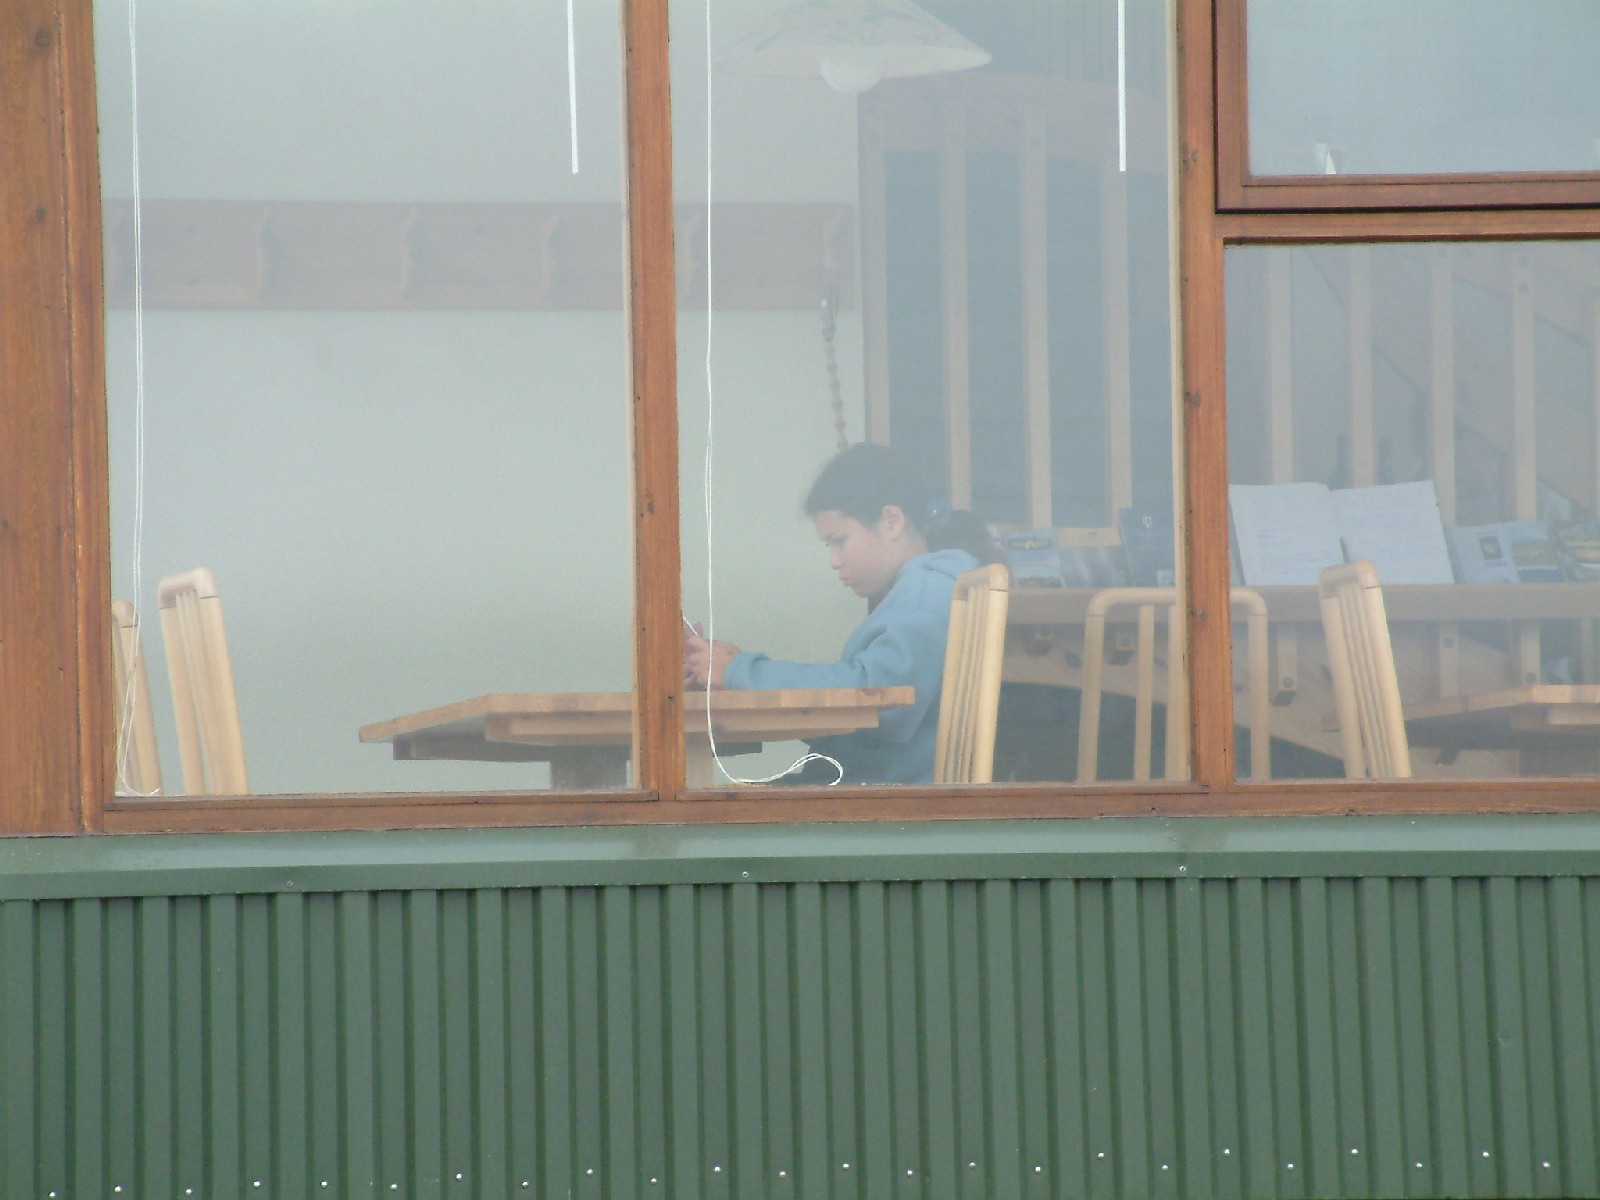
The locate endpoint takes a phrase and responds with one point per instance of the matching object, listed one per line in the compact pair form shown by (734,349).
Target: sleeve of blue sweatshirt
(906,650)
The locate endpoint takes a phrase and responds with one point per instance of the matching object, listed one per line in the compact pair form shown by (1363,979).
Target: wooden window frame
(56,741)
(1240,191)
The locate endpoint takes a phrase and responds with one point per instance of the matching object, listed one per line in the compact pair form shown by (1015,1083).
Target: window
(1433,104)
(966,253)
(367,363)
(989,266)
(1435,408)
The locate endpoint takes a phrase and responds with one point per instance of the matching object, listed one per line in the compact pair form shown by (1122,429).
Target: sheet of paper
(1286,532)
(1396,527)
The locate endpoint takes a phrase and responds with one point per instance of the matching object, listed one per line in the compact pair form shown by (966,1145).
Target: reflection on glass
(1370,87)
(1433,409)
(367,364)
(964,257)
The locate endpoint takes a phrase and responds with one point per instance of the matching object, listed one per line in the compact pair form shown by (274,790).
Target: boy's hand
(705,662)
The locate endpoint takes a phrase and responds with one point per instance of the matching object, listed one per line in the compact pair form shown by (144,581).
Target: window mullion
(1203,411)
(657,578)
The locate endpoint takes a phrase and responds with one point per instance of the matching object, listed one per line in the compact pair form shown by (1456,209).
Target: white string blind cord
(572,84)
(125,713)
(1122,86)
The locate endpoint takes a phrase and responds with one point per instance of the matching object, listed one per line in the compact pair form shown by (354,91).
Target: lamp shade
(852,44)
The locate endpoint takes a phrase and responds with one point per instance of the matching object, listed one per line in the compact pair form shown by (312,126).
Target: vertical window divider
(658,749)
(1204,413)
(91,486)
(54,755)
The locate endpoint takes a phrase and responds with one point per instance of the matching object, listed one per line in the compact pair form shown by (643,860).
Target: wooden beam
(403,256)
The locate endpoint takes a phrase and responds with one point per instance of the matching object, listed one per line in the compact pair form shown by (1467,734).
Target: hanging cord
(1122,86)
(125,712)
(830,309)
(572,85)
(707,477)
(828,327)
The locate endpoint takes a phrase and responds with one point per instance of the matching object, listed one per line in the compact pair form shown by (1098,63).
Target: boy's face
(867,557)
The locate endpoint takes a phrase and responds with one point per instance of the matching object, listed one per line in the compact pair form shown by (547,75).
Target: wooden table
(1440,651)
(1555,727)
(586,737)
(1402,602)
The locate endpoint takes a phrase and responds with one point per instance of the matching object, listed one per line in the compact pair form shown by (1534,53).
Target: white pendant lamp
(852,44)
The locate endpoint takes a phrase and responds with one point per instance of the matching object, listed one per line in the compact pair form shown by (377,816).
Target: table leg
(700,770)
(1580,758)
(589,768)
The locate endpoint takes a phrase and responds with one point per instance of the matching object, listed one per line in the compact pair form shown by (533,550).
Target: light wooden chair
(1147,603)
(205,706)
(969,702)
(1366,687)
(138,761)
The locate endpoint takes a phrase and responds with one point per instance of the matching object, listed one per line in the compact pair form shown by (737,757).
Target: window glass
(367,364)
(943,229)
(1433,409)
(1372,87)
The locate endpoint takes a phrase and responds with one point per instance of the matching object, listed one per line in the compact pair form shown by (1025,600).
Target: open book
(1287,533)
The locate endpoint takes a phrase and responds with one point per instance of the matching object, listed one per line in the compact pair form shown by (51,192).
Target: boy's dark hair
(861,480)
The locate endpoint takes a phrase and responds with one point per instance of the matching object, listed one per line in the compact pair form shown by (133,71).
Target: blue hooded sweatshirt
(902,641)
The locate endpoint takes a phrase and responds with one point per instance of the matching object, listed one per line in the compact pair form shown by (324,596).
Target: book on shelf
(1508,552)
(1287,533)
(1034,558)
(1578,543)
(1094,566)
(1147,540)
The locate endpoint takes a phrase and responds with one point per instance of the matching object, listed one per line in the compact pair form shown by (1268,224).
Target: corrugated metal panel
(940,1038)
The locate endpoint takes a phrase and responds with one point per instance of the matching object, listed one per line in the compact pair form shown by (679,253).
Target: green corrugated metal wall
(1061,1009)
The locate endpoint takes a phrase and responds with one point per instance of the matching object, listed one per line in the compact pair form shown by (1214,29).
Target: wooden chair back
(205,705)
(969,701)
(138,761)
(1366,687)
(1147,603)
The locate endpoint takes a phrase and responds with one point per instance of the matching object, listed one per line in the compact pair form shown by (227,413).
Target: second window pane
(945,231)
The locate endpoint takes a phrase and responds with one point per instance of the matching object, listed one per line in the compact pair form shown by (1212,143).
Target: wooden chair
(969,703)
(205,706)
(1147,602)
(138,761)
(1366,688)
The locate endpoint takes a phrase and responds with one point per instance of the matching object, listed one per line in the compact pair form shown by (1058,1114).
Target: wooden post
(1280,422)
(953,256)
(1363,443)
(1280,362)
(653,384)
(1204,424)
(874,271)
(1117,337)
(1035,236)
(1442,439)
(1524,438)
(57,742)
